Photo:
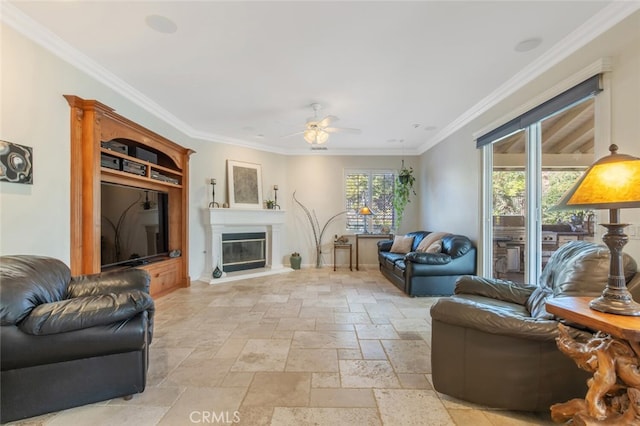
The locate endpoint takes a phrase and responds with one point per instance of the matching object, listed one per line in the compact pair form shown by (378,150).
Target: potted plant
(295,260)
(402,191)
(270,204)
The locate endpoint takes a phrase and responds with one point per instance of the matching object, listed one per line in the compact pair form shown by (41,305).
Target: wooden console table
(612,355)
(375,236)
(345,246)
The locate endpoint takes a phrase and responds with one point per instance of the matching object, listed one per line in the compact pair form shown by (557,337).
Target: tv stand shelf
(93,123)
(149,168)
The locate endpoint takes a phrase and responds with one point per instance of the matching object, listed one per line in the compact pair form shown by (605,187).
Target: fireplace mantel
(238,217)
(221,221)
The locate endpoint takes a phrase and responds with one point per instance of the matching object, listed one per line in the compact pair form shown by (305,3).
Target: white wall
(35,219)
(317,180)
(319,186)
(450,197)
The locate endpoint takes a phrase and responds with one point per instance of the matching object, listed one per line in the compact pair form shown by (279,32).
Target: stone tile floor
(308,347)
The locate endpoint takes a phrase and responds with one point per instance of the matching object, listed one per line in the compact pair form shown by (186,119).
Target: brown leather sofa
(70,341)
(493,343)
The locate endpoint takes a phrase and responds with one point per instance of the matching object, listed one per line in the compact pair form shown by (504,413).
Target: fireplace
(221,223)
(242,251)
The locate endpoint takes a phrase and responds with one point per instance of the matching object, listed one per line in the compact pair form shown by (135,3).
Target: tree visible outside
(509,190)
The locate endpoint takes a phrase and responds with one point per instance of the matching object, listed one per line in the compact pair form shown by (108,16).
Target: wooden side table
(375,236)
(346,246)
(612,355)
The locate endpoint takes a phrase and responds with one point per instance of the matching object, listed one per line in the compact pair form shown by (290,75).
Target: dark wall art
(16,163)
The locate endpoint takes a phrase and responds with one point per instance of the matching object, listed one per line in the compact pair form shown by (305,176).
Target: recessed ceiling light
(161,24)
(528,44)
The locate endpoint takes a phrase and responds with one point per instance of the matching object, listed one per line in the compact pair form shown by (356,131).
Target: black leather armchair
(69,341)
(428,274)
(493,343)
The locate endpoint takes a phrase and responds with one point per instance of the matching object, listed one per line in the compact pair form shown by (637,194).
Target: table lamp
(613,183)
(365,211)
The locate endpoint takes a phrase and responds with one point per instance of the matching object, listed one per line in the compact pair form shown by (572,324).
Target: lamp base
(625,306)
(615,298)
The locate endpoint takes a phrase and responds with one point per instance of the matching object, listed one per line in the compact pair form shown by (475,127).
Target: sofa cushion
(85,312)
(385,245)
(456,245)
(401,244)
(29,281)
(429,240)
(494,288)
(492,316)
(417,238)
(389,259)
(428,258)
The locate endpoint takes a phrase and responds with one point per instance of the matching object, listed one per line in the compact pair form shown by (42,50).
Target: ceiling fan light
(310,135)
(316,136)
(321,136)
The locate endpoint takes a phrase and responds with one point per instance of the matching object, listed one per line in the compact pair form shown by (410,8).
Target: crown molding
(31,29)
(607,18)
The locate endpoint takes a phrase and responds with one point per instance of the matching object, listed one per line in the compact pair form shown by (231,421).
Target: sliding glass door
(508,182)
(530,169)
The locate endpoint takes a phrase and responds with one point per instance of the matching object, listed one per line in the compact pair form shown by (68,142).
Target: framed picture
(245,185)
(16,163)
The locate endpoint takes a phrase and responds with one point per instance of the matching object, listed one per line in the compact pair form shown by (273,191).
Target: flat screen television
(134,225)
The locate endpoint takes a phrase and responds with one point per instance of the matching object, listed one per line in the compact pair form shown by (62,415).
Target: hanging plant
(402,191)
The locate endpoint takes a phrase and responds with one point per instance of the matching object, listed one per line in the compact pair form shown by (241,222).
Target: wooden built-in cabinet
(93,123)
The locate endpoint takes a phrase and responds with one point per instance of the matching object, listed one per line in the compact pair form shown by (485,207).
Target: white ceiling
(246,72)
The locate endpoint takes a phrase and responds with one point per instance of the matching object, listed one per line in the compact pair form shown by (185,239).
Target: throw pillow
(430,239)
(401,244)
(436,247)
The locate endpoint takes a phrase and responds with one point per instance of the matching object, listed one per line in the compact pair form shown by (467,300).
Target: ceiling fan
(317,130)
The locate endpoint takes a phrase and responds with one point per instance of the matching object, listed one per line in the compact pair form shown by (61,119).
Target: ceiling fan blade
(342,130)
(292,134)
(327,120)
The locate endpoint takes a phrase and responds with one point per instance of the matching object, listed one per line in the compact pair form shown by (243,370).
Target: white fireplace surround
(224,221)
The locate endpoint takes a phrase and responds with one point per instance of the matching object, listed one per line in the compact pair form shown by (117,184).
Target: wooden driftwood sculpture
(613,397)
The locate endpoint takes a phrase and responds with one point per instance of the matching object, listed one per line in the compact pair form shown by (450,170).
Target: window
(373,188)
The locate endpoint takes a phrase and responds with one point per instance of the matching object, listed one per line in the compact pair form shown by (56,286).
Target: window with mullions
(371,188)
